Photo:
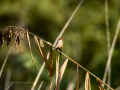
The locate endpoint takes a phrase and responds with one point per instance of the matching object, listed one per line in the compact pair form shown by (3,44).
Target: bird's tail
(59,50)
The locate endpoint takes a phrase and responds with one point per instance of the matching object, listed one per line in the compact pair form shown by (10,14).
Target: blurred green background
(85,40)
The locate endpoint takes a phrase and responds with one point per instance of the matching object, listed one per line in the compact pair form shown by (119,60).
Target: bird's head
(60,39)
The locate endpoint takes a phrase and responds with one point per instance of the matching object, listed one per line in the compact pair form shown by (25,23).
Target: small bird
(59,44)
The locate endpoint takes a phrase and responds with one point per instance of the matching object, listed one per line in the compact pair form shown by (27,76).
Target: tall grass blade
(41,49)
(30,48)
(50,85)
(71,85)
(107,25)
(57,66)
(87,82)
(3,65)
(68,22)
(61,33)
(108,41)
(77,83)
(111,51)
(44,54)
(60,75)
(9,86)
(37,43)
(51,66)
(51,63)
(118,88)
(40,85)
(7,81)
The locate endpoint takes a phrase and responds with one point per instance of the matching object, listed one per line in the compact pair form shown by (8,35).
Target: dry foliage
(57,66)
(37,43)
(39,88)
(77,83)
(60,75)
(30,48)
(57,69)
(87,82)
(99,85)
(44,54)
(3,65)
(50,71)
(51,63)
(50,85)
(7,33)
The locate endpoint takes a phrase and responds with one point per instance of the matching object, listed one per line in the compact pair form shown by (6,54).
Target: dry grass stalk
(30,48)
(73,62)
(61,33)
(99,85)
(60,75)
(50,66)
(40,85)
(42,67)
(57,66)
(77,83)
(111,51)
(34,84)
(42,51)
(44,54)
(7,33)
(108,41)
(71,85)
(87,82)
(51,63)
(8,77)
(68,22)
(5,61)
(84,69)
(37,43)
(118,88)
(9,86)
(50,85)
(107,25)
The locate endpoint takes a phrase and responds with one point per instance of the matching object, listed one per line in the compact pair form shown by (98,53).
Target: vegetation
(85,41)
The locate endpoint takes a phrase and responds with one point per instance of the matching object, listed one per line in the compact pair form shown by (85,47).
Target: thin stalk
(40,85)
(7,81)
(61,33)
(9,86)
(111,50)
(3,65)
(108,43)
(84,69)
(57,68)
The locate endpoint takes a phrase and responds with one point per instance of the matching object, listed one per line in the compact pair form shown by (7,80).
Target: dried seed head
(9,32)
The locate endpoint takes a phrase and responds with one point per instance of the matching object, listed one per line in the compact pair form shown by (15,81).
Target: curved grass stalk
(61,33)
(111,50)
(3,65)
(108,43)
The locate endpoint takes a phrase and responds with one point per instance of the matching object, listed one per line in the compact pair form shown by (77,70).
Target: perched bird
(59,44)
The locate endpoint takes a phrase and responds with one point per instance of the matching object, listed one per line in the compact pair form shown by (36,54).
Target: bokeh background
(85,40)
